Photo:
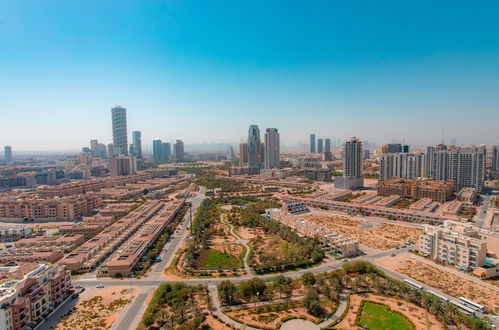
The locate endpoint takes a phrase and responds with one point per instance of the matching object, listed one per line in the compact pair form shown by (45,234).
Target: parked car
(79,286)
(99,286)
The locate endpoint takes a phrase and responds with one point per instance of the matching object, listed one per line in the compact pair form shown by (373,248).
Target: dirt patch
(233,249)
(214,323)
(421,318)
(97,308)
(379,236)
(449,283)
(247,233)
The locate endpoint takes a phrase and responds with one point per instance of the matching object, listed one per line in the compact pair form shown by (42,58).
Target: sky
(203,71)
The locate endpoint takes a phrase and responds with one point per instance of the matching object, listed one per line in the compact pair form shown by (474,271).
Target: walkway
(217,310)
(239,240)
(337,313)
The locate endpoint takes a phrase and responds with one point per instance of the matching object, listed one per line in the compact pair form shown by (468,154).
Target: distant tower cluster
(323,147)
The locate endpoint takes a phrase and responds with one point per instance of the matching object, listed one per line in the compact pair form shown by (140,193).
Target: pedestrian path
(239,240)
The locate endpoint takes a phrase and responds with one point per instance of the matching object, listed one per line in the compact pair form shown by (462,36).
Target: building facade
(495,158)
(179,151)
(243,154)
(137,144)
(7,154)
(402,165)
(312,143)
(352,166)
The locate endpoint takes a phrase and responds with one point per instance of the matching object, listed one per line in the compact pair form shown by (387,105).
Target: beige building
(440,191)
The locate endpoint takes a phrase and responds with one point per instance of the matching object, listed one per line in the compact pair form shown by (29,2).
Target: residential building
(394,148)
(110,150)
(166,152)
(402,165)
(94,147)
(455,243)
(254,146)
(179,151)
(272,149)
(156,150)
(122,165)
(102,151)
(7,154)
(137,144)
(12,233)
(352,166)
(120,139)
(30,292)
(312,143)
(243,154)
(320,145)
(464,166)
(439,191)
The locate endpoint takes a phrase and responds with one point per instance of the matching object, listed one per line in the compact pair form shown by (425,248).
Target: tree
(254,288)
(308,279)
(227,292)
(282,283)
(312,303)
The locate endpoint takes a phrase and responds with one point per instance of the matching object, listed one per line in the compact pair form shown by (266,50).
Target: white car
(99,286)
(79,286)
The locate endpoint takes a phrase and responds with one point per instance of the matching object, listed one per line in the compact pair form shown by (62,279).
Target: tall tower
(179,151)
(352,166)
(166,152)
(254,149)
(327,145)
(156,151)
(272,148)
(137,144)
(7,154)
(495,158)
(120,139)
(320,145)
(243,154)
(94,146)
(312,143)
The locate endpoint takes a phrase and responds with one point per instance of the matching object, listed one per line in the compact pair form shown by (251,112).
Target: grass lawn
(213,259)
(376,316)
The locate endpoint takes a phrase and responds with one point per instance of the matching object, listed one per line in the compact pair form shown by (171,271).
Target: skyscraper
(352,166)
(312,143)
(272,148)
(102,151)
(243,154)
(120,139)
(230,153)
(320,143)
(110,150)
(7,154)
(327,145)
(137,144)
(254,149)
(156,151)
(166,152)
(179,151)
(495,158)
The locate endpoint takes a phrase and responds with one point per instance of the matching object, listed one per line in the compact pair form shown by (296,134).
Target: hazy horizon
(203,71)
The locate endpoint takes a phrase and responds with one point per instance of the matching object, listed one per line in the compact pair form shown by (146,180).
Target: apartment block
(455,243)
(440,191)
(13,233)
(29,292)
(63,243)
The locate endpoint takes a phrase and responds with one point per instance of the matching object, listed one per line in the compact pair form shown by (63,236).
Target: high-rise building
(102,151)
(320,144)
(7,154)
(231,155)
(464,166)
(312,143)
(327,145)
(352,166)
(94,146)
(122,165)
(110,150)
(156,150)
(495,158)
(179,151)
(272,148)
(120,139)
(243,154)
(137,144)
(254,146)
(402,165)
(166,152)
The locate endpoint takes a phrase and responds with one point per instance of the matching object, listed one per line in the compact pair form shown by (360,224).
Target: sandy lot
(97,308)
(451,284)
(375,235)
(419,316)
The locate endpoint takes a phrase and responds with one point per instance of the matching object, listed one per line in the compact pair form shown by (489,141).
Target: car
(496,317)
(79,286)
(99,286)
(344,260)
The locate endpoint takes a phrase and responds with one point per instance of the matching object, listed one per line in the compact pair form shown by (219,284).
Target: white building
(352,166)
(402,165)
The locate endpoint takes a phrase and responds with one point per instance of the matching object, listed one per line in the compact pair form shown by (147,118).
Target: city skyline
(310,73)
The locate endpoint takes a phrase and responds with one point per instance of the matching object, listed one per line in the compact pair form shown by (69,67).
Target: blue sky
(202,71)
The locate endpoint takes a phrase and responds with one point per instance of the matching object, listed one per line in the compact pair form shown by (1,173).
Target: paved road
(127,319)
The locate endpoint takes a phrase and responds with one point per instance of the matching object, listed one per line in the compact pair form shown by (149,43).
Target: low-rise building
(63,243)
(10,256)
(467,196)
(12,233)
(440,191)
(29,292)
